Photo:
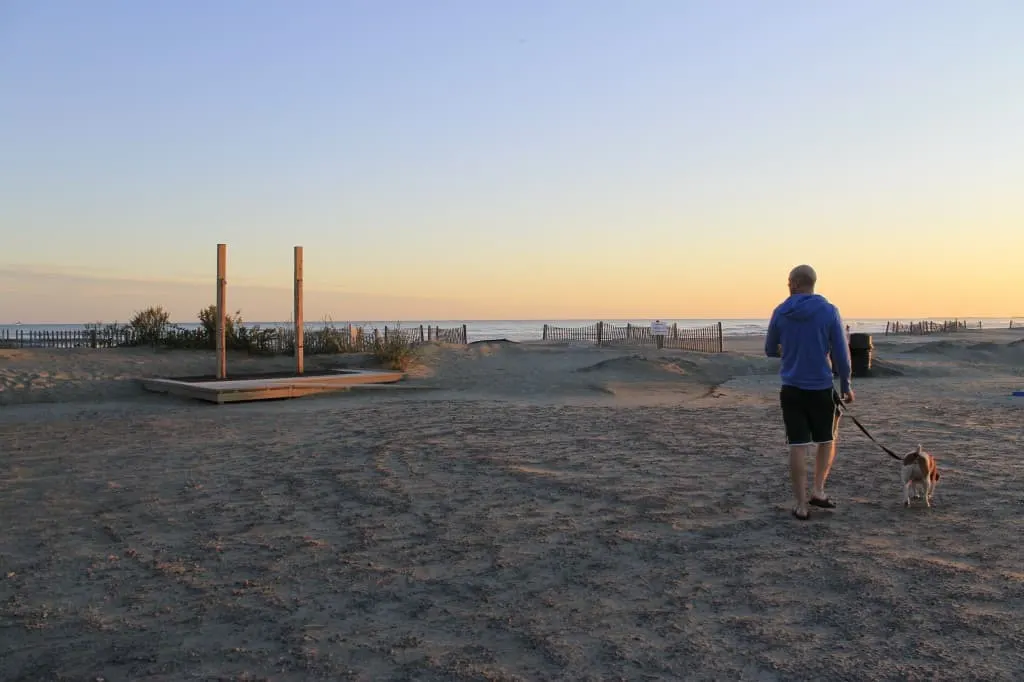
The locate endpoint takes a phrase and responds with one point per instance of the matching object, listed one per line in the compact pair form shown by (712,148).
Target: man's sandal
(803,517)
(823,502)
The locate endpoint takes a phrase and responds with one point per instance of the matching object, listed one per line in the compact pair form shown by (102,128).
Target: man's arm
(840,352)
(771,340)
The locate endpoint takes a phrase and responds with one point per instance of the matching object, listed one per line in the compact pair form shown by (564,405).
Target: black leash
(844,412)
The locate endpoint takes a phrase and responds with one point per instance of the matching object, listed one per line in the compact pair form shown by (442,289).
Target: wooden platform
(269,387)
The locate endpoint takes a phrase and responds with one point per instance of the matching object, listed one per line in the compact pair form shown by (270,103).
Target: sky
(535,159)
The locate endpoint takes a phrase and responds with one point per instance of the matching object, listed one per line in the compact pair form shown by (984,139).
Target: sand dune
(504,369)
(541,513)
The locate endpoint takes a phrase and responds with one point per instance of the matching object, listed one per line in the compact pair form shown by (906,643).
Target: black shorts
(809,416)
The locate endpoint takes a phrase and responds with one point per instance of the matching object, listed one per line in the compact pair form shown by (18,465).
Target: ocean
(532,330)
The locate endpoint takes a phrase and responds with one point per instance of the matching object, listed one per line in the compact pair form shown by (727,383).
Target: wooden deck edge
(247,390)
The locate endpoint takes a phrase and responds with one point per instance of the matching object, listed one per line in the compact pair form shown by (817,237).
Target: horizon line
(901,318)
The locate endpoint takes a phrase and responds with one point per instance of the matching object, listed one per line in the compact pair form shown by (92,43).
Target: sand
(539,514)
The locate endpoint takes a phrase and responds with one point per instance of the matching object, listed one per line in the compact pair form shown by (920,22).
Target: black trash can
(861,350)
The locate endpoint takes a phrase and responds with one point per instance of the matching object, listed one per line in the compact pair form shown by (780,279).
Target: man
(806,331)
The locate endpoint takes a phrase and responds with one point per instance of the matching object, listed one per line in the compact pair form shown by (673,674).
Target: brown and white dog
(920,474)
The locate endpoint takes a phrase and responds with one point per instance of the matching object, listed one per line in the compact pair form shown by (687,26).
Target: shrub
(396,351)
(149,324)
(232,326)
(185,339)
(254,339)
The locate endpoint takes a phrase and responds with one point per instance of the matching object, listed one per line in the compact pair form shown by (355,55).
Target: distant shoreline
(531,330)
(534,321)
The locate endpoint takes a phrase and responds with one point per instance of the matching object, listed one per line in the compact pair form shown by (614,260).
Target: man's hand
(848,396)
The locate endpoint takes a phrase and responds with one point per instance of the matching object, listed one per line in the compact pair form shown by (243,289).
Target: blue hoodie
(810,330)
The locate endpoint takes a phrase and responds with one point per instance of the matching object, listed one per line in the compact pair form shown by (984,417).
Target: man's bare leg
(798,475)
(826,454)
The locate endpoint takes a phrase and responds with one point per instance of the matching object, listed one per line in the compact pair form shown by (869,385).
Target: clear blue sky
(510,159)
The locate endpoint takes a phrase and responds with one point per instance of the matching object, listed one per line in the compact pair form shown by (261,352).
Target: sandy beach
(535,513)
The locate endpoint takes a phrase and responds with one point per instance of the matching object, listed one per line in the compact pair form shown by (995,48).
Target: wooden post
(300,326)
(544,334)
(600,331)
(721,339)
(222,285)
(465,335)
(422,338)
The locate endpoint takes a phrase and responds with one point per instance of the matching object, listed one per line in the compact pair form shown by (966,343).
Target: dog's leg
(918,490)
(905,493)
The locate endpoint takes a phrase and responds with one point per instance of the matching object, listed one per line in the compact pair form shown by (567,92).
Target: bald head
(802,279)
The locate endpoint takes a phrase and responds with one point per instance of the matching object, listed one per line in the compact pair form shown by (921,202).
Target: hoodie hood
(807,331)
(803,307)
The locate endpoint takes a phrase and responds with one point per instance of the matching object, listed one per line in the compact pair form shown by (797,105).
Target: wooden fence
(67,338)
(928,327)
(269,340)
(707,339)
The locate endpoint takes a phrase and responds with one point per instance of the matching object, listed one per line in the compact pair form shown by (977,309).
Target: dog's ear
(919,449)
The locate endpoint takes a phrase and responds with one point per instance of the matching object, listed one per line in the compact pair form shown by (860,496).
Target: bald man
(806,331)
